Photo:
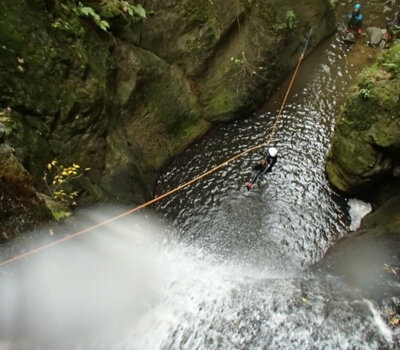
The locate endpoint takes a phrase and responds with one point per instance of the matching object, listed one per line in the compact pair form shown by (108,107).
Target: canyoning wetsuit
(264,167)
(355,20)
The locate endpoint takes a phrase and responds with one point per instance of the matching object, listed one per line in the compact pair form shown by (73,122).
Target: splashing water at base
(379,322)
(357,210)
(129,286)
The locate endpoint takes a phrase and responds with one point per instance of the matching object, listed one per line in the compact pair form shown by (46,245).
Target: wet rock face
(363,160)
(124,102)
(20,205)
(375,35)
(234,51)
(369,258)
(366,144)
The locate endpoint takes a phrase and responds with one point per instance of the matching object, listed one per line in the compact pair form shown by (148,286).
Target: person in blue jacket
(265,166)
(355,20)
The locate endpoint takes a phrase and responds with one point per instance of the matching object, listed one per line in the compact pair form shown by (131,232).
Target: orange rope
(169,193)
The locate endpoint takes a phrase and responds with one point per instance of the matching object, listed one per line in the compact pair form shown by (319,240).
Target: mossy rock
(127,101)
(21,207)
(221,107)
(366,143)
(387,216)
(58,210)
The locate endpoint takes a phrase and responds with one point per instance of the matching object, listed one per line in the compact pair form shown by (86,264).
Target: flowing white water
(379,322)
(357,210)
(131,286)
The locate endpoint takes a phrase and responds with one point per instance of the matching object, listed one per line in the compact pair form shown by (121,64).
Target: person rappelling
(265,166)
(355,20)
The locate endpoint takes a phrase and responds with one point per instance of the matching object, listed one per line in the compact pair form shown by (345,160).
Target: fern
(140,11)
(365,94)
(87,11)
(133,10)
(290,19)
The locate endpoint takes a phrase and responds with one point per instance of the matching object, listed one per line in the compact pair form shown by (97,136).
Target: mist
(132,285)
(94,285)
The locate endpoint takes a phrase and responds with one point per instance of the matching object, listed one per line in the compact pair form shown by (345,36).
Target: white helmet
(272,151)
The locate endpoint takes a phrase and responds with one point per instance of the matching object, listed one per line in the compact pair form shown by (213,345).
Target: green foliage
(365,94)
(86,11)
(138,10)
(290,19)
(71,26)
(105,10)
(289,22)
(61,215)
(113,8)
(390,61)
(194,12)
(57,177)
(392,68)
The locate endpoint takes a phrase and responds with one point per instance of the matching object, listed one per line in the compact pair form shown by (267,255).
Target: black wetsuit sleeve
(271,163)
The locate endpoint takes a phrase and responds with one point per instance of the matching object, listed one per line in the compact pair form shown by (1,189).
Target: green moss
(390,61)
(194,12)
(58,210)
(61,215)
(367,134)
(222,106)
(20,206)
(56,80)
(70,93)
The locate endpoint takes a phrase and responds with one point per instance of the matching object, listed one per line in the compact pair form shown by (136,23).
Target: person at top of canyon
(355,20)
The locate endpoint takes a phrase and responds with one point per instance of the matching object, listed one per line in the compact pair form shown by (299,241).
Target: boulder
(369,258)
(21,207)
(366,144)
(375,35)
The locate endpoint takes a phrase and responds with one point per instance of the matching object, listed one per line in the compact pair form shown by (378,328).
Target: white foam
(358,209)
(130,286)
(380,323)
